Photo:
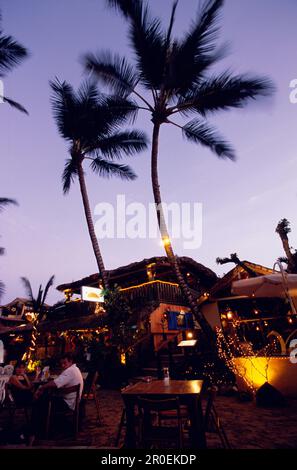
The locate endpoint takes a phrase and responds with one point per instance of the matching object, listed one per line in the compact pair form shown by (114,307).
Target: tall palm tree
(11,54)
(38,312)
(4,202)
(171,79)
(91,123)
(283,229)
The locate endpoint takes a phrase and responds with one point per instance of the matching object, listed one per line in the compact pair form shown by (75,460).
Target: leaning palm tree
(234,259)
(38,312)
(4,202)
(171,79)
(90,122)
(11,54)
(283,229)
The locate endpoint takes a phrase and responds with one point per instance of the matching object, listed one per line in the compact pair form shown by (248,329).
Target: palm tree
(234,259)
(4,202)
(283,229)
(171,79)
(38,312)
(91,122)
(11,54)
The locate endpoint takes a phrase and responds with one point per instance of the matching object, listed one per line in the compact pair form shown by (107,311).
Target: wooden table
(189,394)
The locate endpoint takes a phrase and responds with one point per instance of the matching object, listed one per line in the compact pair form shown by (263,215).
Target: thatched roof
(135,273)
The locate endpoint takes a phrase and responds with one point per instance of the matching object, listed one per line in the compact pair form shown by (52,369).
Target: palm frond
(11,53)
(125,143)
(197,51)
(88,95)
(116,111)
(5,201)
(283,227)
(223,260)
(13,104)
(69,174)
(107,169)
(224,91)
(64,104)
(202,133)
(112,70)
(28,288)
(49,284)
(283,259)
(147,39)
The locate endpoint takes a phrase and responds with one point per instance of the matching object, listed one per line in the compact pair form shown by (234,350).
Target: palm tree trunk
(88,214)
(287,250)
(206,328)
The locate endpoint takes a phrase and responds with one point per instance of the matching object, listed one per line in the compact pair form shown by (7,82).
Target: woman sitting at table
(20,386)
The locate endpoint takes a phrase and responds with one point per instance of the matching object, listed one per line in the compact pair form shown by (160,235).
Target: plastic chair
(3,381)
(8,370)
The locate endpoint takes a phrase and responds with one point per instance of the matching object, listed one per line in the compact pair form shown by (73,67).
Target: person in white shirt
(70,377)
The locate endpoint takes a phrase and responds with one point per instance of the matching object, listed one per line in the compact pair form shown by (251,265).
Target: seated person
(70,377)
(20,385)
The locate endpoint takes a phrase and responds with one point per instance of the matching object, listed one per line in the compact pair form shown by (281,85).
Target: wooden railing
(158,291)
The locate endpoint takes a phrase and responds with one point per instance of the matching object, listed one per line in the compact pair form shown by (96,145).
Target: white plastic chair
(8,370)
(3,381)
(45,374)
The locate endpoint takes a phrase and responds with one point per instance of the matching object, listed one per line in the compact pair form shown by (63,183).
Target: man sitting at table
(70,377)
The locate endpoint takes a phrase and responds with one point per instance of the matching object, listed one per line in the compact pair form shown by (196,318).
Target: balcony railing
(154,291)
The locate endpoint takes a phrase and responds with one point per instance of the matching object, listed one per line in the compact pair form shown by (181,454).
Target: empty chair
(151,434)
(90,392)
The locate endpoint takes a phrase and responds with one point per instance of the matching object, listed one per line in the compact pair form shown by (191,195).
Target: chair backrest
(3,382)
(1,370)
(8,370)
(90,382)
(45,373)
(61,392)
(147,406)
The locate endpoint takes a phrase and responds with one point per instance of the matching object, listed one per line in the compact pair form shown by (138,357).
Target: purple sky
(242,202)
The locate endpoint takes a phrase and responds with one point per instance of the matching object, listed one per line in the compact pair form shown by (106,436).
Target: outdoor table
(189,394)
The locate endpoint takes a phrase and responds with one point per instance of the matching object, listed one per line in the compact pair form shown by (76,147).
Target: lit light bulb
(229,315)
(189,335)
(165,241)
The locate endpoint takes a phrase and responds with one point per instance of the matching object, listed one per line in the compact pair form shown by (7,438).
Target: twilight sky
(242,201)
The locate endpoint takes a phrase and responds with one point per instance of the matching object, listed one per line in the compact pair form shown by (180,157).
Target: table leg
(130,439)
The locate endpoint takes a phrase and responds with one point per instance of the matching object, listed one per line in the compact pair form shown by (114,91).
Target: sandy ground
(247,426)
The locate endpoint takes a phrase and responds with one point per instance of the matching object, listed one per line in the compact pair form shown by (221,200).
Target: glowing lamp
(229,315)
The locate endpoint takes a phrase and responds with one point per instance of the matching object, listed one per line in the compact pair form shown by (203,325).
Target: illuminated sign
(188,342)
(92,294)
